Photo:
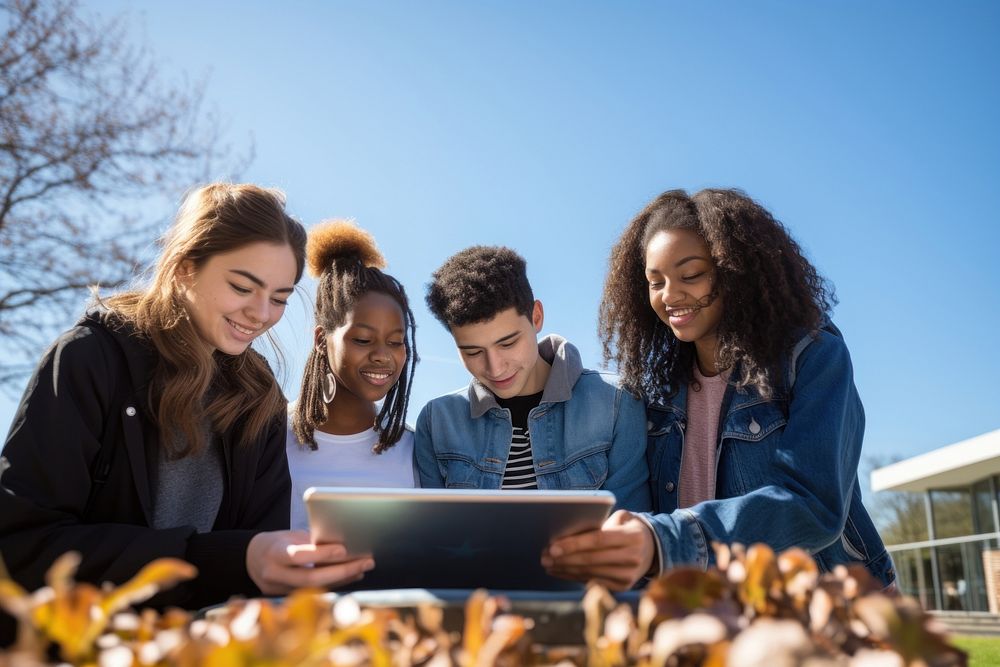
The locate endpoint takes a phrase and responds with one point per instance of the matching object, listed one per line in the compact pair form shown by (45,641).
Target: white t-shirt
(346,460)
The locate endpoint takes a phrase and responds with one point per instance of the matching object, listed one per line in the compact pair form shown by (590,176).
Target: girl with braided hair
(364,353)
(712,312)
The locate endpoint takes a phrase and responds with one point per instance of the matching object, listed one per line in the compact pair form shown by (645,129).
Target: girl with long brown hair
(713,313)
(153,428)
(364,355)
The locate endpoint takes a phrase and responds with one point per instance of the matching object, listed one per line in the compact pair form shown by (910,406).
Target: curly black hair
(477,283)
(770,294)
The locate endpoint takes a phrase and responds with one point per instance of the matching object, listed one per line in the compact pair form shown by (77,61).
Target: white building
(954,561)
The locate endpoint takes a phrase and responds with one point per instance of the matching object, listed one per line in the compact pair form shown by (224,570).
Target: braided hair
(348,265)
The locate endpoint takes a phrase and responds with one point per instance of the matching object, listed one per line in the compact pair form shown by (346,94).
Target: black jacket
(88,393)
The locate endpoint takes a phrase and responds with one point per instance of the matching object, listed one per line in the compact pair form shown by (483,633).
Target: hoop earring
(329,387)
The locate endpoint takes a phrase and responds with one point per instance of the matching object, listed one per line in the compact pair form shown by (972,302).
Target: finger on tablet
(620,557)
(308,554)
(575,543)
(341,573)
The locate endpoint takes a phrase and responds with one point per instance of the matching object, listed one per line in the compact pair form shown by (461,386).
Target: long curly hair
(191,382)
(349,265)
(770,293)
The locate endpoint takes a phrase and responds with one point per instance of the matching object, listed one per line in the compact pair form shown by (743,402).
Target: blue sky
(868,128)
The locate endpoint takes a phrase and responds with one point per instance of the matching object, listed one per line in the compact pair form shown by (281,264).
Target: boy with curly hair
(532,417)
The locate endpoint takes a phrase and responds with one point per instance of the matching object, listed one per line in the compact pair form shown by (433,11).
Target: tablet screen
(443,538)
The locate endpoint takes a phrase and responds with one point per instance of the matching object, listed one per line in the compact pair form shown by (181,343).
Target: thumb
(619,518)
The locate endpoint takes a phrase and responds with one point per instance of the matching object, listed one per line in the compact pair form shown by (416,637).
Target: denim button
(669,487)
(130,411)
(754,426)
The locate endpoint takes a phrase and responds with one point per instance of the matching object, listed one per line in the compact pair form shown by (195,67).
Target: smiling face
(367,352)
(502,352)
(236,296)
(681,278)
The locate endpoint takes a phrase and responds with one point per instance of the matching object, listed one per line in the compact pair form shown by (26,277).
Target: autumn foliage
(755,608)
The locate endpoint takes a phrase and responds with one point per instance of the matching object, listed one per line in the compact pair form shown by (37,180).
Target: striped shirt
(520,470)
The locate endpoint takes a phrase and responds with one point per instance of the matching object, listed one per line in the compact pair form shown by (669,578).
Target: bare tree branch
(900,516)
(92,137)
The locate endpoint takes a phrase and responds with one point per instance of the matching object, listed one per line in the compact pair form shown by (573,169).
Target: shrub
(755,609)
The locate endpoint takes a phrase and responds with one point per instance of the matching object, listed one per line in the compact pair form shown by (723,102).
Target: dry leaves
(755,608)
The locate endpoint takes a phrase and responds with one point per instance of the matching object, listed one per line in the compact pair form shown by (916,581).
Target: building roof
(960,464)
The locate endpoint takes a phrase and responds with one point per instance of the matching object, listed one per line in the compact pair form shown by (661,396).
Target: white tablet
(444,538)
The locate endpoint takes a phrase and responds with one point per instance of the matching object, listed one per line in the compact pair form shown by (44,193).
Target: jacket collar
(567,367)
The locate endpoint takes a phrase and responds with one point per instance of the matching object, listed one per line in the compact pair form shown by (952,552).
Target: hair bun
(340,239)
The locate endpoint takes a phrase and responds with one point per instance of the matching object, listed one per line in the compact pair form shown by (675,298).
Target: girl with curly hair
(711,311)
(364,353)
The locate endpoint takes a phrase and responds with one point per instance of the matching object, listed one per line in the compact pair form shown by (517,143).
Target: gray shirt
(189,490)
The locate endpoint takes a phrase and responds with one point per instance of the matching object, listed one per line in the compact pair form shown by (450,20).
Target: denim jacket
(786,468)
(587,433)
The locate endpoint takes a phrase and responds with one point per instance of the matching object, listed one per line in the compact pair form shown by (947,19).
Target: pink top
(697,482)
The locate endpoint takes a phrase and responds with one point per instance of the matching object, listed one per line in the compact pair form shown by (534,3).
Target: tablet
(445,538)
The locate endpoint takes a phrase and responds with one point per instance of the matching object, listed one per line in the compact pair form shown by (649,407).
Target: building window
(952,517)
(913,569)
(963,585)
(982,507)
(901,517)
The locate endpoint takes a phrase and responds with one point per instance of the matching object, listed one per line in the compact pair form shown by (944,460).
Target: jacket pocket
(853,547)
(461,473)
(860,538)
(859,543)
(754,422)
(750,436)
(587,470)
